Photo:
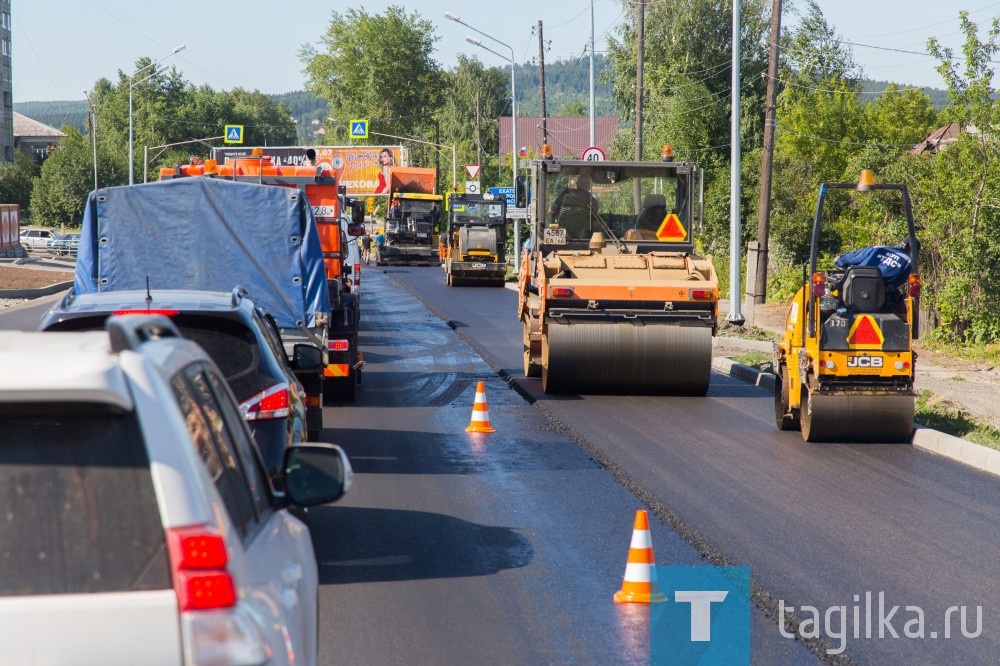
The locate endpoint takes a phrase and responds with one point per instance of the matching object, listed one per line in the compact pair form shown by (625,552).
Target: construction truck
(845,366)
(206,234)
(613,297)
(412,219)
(339,221)
(473,248)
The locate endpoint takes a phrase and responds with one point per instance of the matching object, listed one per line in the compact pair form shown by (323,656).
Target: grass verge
(938,414)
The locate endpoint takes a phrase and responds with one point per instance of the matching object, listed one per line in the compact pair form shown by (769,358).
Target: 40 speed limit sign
(593,154)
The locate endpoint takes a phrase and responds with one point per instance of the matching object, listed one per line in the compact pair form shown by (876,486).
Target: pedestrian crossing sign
(359,129)
(234,134)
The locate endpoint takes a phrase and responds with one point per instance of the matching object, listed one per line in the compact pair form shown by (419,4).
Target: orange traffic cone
(640,585)
(480,421)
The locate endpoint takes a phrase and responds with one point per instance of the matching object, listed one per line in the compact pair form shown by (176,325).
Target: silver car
(138,525)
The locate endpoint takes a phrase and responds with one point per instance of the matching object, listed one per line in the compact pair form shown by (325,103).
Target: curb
(35,293)
(969,453)
(954,448)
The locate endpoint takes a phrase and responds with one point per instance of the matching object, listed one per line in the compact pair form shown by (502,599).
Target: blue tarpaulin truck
(212,234)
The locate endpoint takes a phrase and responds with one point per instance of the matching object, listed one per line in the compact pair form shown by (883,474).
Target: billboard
(363,169)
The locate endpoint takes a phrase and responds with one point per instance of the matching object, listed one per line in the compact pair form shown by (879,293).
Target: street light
(132,83)
(513,113)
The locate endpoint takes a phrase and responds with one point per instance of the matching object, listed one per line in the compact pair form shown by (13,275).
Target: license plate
(554,237)
(419,235)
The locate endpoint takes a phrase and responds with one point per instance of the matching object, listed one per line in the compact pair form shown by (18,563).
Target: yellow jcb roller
(845,365)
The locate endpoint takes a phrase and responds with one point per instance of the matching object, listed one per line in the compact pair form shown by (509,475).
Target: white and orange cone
(480,421)
(639,585)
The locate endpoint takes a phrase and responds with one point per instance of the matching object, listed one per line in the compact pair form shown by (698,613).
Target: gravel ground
(11,302)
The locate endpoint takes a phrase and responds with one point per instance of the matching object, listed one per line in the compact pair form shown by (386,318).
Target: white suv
(138,523)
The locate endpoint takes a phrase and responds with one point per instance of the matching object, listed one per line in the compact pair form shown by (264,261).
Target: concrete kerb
(954,448)
(36,293)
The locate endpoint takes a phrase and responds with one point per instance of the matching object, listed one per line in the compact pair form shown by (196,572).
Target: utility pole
(541,81)
(93,132)
(437,139)
(767,159)
(640,48)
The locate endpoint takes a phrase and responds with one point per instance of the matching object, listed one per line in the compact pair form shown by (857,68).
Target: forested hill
(567,92)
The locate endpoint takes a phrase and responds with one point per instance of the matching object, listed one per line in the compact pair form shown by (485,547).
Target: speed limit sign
(593,154)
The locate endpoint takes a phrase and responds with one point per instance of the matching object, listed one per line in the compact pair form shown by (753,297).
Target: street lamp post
(132,83)
(513,116)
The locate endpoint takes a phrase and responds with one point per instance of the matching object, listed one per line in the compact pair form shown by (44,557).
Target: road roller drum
(626,358)
(856,417)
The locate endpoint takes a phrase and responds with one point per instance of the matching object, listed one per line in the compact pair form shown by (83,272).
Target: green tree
(900,117)
(688,55)
(825,122)
(16,180)
(379,67)
(475,131)
(957,203)
(67,177)
(576,107)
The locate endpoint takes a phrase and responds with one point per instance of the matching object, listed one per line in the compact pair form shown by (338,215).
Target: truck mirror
(521,191)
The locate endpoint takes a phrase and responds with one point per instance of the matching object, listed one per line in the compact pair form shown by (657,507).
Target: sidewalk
(968,386)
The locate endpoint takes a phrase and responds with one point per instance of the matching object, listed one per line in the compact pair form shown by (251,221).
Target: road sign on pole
(593,154)
(234,134)
(359,129)
(472,187)
(473,171)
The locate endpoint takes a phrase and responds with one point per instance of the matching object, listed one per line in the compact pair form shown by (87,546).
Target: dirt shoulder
(25,277)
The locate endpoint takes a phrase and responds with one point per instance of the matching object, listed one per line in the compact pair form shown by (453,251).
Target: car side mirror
(306,357)
(316,474)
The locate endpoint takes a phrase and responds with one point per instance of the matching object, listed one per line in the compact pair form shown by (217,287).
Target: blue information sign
(505,192)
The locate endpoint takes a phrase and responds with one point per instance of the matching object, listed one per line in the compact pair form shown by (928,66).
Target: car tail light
(701,294)
(198,561)
(266,405)
(152,311)
(339,345)
(561,291)
(215,628)
(357,275)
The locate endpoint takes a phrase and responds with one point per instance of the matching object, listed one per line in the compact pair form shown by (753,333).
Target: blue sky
(62,46)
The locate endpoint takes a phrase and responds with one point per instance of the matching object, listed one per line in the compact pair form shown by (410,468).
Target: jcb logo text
(864,362)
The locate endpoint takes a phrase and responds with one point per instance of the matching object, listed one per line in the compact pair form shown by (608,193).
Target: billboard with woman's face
(363,169)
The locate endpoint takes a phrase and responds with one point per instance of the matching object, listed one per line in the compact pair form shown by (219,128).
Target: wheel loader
(613,298)
(845,366)
(473,246)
